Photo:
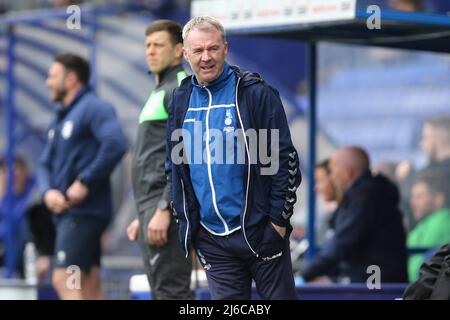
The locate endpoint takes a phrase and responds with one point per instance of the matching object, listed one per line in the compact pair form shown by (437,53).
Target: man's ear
(71,79)
(226,48)
(178,49)
(350,175)
(185,54)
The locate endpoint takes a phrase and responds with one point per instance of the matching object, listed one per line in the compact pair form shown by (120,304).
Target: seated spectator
(323,183)
(430,208)
(23,194)
(368,225)
(435,145)
(324,187)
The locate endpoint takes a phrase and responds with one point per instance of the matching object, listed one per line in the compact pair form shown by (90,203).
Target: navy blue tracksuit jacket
(85,140)
(266,197)
(368,231)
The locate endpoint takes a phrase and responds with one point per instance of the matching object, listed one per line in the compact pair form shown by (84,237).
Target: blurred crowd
(415,200)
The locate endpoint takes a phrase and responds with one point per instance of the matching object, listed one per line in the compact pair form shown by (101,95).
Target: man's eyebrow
(154,42)
(207,47)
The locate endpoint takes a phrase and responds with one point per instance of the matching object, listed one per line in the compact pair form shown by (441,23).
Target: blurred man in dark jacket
(368,225)
(84,144)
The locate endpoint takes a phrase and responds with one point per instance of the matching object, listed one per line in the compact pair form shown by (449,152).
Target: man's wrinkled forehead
(202,35)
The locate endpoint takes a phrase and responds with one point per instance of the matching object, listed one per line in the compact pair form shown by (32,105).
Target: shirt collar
(220,81)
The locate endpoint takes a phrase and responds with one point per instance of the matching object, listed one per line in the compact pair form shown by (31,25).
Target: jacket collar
(166,74)
(183,92)
(366,175)
(62,111)
(247,78)
(219,83)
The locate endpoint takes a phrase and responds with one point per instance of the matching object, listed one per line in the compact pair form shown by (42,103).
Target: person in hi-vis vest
(155,229)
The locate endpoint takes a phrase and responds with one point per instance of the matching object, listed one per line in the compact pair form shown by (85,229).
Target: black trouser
(230,266)
(168,270)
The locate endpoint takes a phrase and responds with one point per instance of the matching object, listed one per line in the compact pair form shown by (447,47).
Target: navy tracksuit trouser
(230,266)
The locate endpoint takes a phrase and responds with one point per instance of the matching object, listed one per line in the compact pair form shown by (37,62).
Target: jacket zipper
(248,180)
(248,170)
(184,207)
(208,157)
(187,220)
